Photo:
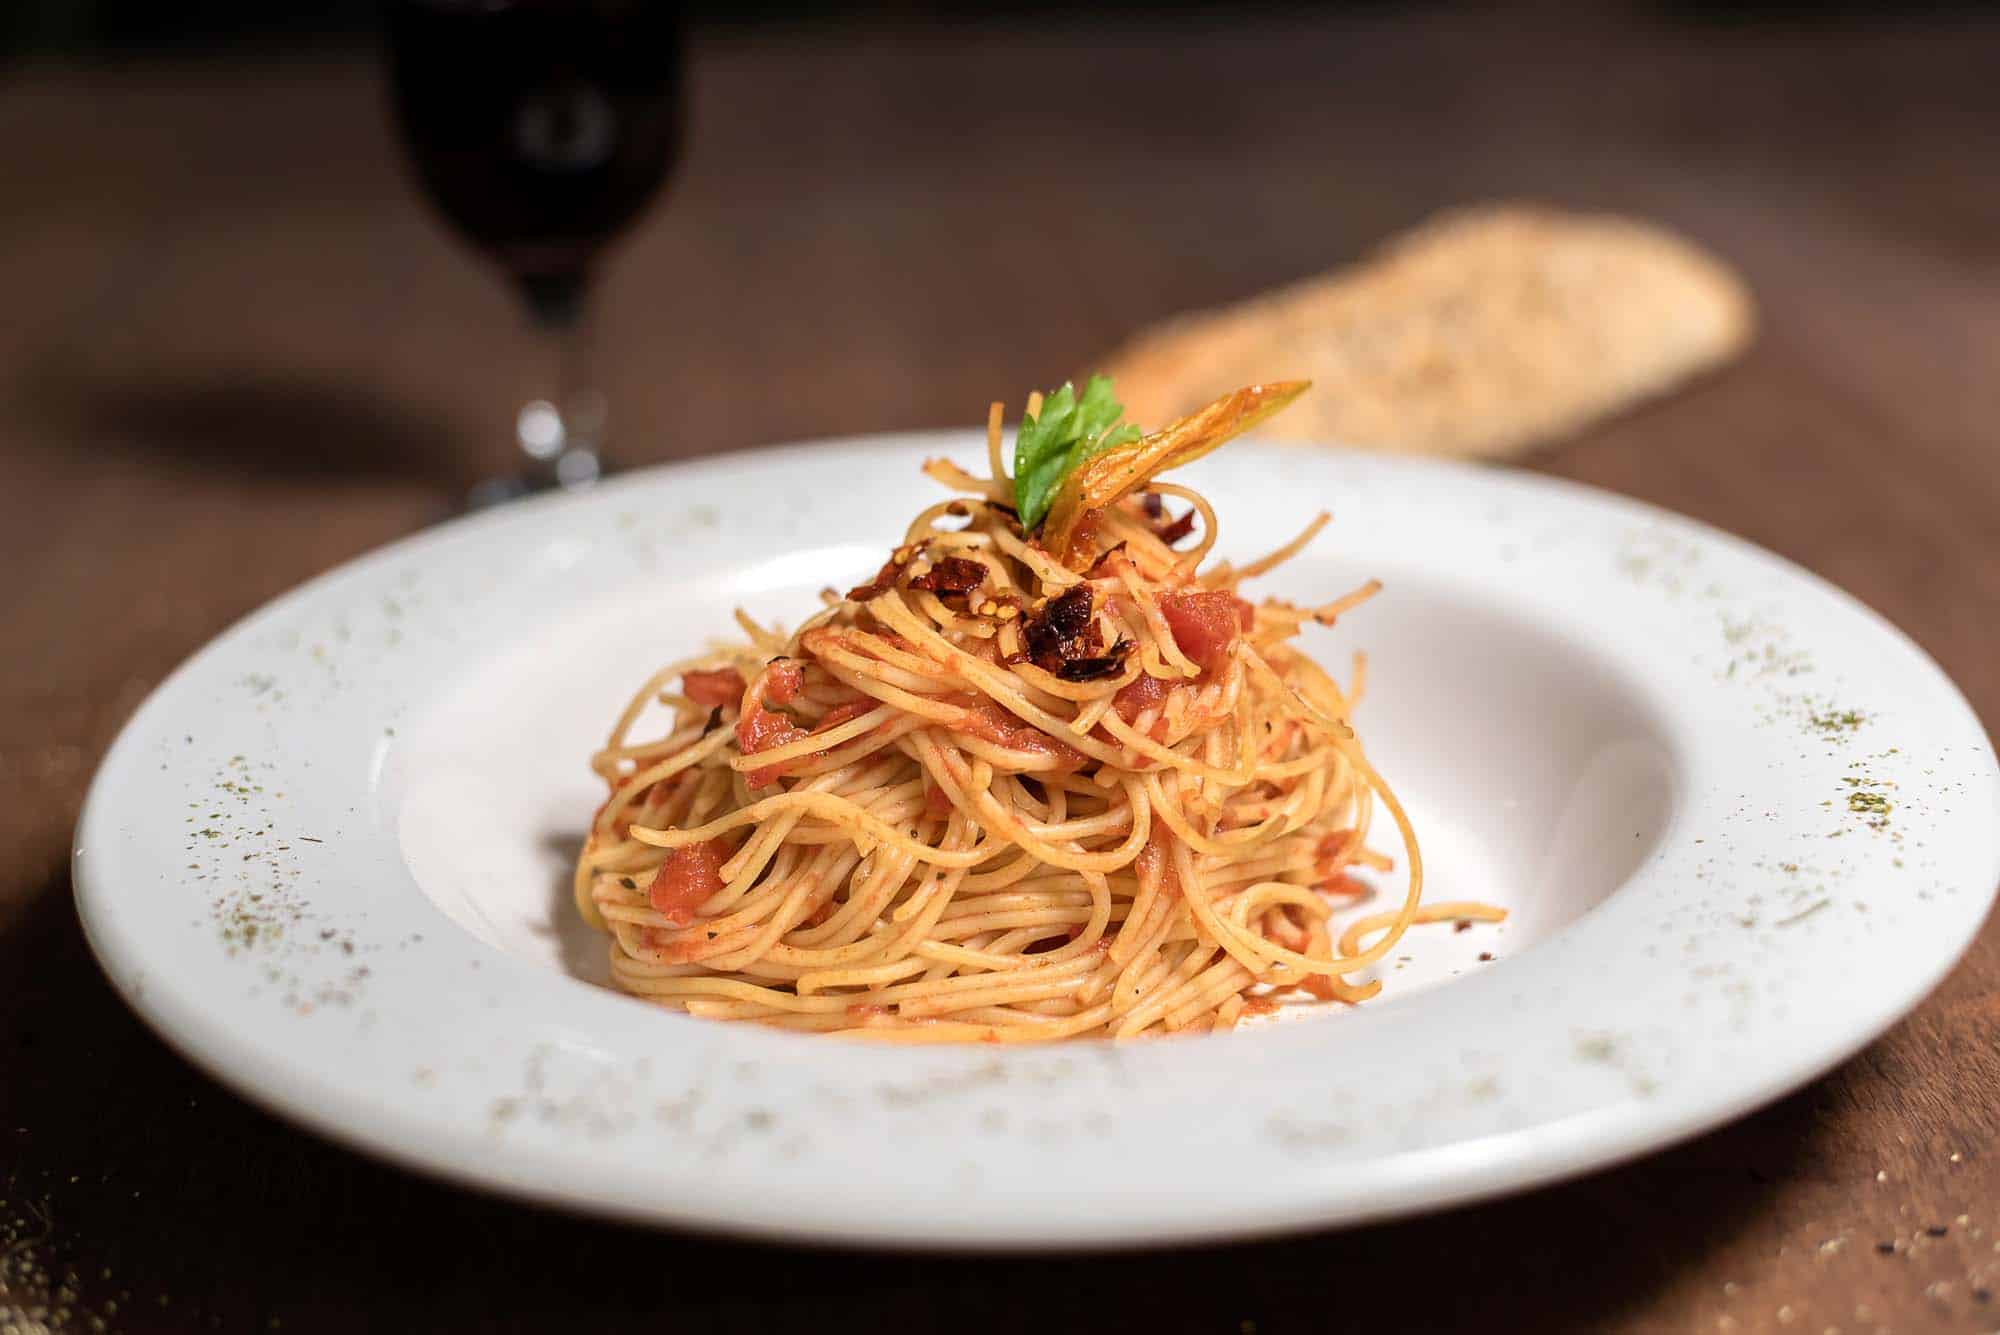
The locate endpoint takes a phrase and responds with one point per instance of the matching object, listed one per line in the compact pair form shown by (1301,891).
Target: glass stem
(563,434)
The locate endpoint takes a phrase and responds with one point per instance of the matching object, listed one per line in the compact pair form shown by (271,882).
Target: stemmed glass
(540,129)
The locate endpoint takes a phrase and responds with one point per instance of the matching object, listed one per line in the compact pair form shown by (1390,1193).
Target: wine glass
(541,129)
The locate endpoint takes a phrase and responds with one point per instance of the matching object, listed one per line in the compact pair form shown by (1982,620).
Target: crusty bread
(1483,333)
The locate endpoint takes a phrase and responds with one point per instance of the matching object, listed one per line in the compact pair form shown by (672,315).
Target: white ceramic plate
(1742,824)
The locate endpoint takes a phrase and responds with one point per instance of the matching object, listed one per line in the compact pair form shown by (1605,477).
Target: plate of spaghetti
(850,841)
(1020,786)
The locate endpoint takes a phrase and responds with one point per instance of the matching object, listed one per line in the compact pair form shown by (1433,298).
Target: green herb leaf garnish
(1069,431)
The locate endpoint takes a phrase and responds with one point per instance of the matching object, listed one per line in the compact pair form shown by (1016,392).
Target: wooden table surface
(235,350)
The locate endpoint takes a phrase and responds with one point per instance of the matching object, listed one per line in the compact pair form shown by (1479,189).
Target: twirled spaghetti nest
(1003,794)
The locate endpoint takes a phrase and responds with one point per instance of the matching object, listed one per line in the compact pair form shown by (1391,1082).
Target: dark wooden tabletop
(235,350)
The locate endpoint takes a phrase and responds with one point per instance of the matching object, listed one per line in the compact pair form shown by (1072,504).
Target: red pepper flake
(954,574)
(1177,530)
(1169,531)
(1096,668)
(1005,607)
(885,578)
(1485,957)
(1063,630)
(1462,925)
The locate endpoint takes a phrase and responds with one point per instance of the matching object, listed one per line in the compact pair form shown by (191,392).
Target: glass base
(572,470)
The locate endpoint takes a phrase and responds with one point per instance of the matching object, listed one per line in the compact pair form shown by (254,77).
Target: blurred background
(241,342)
(96,25)
(217,251)
(211,228)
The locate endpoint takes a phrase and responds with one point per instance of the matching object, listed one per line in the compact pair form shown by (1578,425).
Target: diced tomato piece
(687,879)
(713,689)
(1157,859)
(988,720)
(762,730)
(840,714)
(663,792)
(1335,846)
(753,779)
(782,681)
(1206,624)
(1140,694)
(1348,886)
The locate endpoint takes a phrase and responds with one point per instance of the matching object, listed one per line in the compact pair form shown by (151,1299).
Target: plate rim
(527,1178)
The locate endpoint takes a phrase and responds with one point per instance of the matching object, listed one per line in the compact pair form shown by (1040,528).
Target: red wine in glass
(541,129)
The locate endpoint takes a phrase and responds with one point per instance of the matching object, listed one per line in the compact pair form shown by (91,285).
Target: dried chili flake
(885,578)
(954,574)
(1169,531)
(1063,630)
(1098,667)
(1174,532)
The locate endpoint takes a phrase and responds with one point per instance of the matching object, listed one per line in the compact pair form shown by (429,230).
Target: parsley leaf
(1069,431)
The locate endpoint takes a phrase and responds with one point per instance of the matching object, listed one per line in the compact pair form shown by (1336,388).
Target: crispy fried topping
(1063,630)
(954,574)
(885,578)
(1103,665)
